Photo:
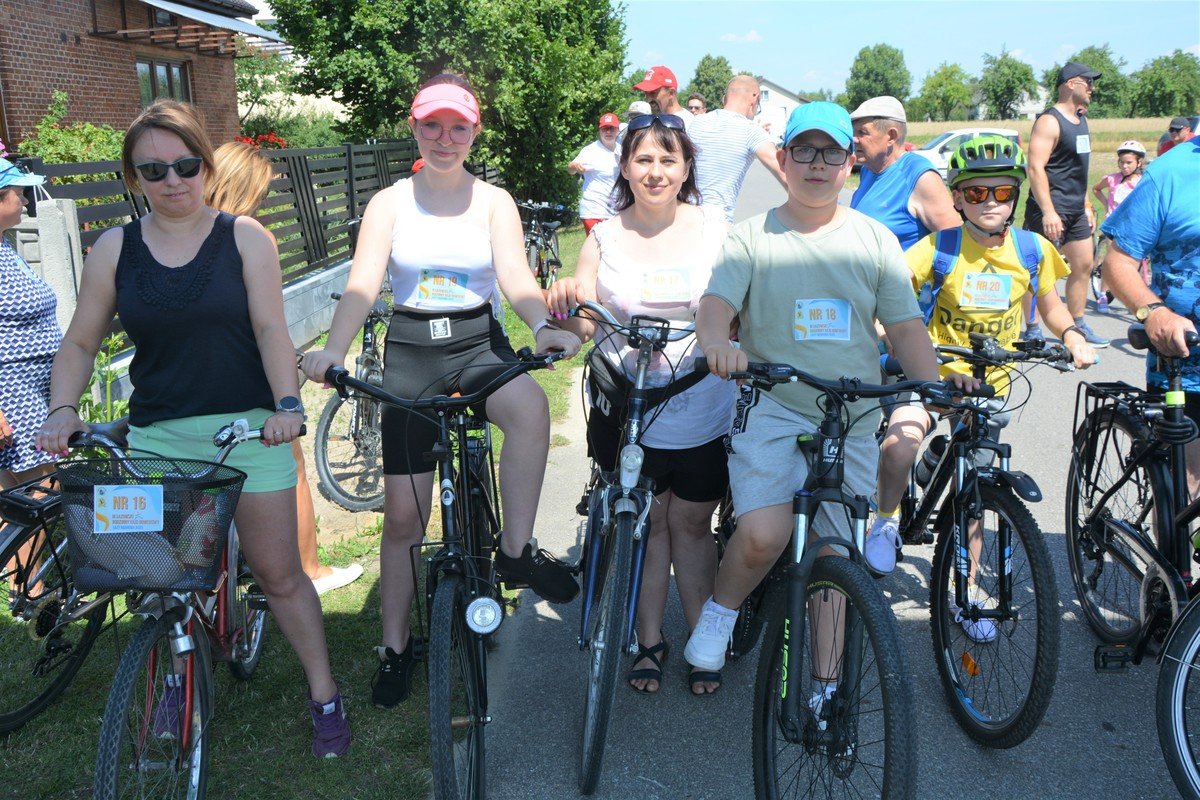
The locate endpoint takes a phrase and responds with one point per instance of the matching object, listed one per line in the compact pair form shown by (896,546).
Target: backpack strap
(1029,250)
(946,244)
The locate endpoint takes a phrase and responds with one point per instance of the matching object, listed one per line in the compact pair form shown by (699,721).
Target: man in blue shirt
(1160,220)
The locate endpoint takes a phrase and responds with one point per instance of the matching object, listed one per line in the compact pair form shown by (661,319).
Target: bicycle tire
(1178,693)
(247,624)
(883,757)
(349,453)
(978,676)
(1109,593)
(456,714)
(1095,279)
(531,256)
(41,648)
(134,759)
(551,260)
(608,639)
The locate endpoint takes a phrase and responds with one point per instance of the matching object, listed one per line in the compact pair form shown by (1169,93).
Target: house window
(162,19)
(158,79)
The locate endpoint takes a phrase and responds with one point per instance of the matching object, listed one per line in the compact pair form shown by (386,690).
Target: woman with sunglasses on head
(199,293)
(450,244)
(655,258)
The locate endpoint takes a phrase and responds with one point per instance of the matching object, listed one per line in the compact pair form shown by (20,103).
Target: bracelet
(60,408)
(542,323)
(1069,329)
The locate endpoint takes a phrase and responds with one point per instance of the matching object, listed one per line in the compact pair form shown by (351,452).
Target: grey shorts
(766,467)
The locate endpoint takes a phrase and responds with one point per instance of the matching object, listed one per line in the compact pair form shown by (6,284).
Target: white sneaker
(707,644)
(816,704)
(882,542)
(337,578)
(980,630)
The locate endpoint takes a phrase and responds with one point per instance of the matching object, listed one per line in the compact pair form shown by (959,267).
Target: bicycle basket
(116,542)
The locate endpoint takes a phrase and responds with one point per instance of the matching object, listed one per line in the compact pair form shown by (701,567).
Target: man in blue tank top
(900,189)
(1059,207)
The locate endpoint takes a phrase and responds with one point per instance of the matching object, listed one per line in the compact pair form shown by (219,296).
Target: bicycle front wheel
(1178,706)
(608,642)
(349,453)
(154,742)
(998,674)
(855,737)
(43,639)
(456,713)
(1106,573)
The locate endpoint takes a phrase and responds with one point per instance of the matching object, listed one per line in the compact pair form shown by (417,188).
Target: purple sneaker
(331,732)
(168,712)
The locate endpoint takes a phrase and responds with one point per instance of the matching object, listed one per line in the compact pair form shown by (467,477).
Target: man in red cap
(660,86)
(597,164)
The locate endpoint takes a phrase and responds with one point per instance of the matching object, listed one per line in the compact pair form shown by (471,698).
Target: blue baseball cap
(12,175)
(821,116)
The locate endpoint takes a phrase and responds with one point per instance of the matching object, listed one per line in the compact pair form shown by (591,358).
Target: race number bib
(1083,144)
(987,290)
(823,319)
(443,287)
(666,286)
(127,509)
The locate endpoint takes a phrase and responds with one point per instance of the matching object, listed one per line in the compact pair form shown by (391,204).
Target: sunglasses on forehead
(646,120)
(155,171)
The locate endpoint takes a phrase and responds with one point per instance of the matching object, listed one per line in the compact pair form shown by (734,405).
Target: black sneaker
(393,676)
(549,578)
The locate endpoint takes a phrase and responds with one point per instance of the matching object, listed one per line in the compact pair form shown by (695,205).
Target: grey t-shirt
(810,300)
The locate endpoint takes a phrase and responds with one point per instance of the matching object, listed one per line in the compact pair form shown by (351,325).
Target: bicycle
(348,450)
(614,546)
(184,575)
(856,724)
(49,626)
(997,651)
(463,597)
(541,241)
(1128,544)
(1099,250)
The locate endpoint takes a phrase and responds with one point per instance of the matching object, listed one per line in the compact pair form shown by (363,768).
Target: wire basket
(115,548)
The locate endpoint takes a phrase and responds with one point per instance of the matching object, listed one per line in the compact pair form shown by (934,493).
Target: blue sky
(810,45)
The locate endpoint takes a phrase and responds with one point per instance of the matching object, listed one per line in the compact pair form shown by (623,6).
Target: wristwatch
(1143,312)
(290,405)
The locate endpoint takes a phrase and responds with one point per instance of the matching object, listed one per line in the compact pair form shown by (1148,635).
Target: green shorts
(269,469)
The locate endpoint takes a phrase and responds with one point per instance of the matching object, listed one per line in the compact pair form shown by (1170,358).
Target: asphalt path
(1098,739)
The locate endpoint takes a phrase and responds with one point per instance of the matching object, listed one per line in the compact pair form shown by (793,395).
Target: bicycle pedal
(1112,657)
(420,646)
(256,599)
(581,508)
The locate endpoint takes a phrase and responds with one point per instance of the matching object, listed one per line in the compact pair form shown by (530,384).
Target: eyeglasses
(1174,130)
(646,120)
(432,131)
(155,171)
(979,194)
(806,154)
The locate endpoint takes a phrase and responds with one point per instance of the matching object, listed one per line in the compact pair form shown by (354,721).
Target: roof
(226,8)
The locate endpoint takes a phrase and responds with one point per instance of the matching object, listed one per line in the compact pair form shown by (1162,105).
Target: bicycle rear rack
(31,503)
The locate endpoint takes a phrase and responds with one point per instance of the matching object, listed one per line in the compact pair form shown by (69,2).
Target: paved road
(1098,739)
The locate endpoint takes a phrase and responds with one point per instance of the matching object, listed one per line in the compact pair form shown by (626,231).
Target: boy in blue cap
(809,259)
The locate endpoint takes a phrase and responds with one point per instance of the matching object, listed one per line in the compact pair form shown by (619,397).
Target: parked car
(940,149)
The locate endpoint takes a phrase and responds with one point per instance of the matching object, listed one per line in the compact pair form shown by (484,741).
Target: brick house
(116,56)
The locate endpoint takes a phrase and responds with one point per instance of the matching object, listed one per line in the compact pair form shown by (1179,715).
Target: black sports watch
(290,405)
(1143,312)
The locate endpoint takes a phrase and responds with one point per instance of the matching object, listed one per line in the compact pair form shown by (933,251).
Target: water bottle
(933,454)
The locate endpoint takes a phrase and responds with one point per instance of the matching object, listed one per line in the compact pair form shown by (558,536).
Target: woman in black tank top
(200,295)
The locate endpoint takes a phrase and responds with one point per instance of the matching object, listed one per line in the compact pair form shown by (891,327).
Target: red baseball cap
(655,79)
(445,97)
(609,121)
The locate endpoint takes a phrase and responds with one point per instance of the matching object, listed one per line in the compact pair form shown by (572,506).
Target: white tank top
(439,263)
(626,286)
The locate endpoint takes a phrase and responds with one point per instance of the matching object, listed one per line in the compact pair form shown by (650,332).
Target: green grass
(261,730)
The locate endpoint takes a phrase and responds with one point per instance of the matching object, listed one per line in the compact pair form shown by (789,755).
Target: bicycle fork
(967,511)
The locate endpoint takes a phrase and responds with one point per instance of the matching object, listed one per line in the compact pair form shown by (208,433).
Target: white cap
(885,107)
(637,107)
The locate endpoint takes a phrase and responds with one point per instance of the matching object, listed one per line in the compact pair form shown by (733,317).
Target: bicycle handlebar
(343,381)
(1140,340)
(379,310)
(606,317)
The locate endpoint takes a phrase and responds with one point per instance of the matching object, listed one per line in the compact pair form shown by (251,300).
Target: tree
(1111,95)
(816,94)
(1005,82)
(1166,86)
(713,74)
(877,70)
(544,72)
(258,75)
(945,90)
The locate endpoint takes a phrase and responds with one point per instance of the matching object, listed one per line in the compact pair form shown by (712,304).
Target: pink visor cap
(445,97)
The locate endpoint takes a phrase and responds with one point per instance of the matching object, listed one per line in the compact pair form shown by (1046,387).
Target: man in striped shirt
(727,142)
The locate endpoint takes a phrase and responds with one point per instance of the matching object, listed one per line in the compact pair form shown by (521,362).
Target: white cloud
(747,38)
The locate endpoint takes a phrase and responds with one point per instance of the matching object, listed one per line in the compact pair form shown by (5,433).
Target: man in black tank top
(1059,207)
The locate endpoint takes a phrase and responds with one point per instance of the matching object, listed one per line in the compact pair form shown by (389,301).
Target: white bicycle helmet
(1132,146)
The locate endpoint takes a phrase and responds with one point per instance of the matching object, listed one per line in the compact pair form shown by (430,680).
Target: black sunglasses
(646,120)
(155,171)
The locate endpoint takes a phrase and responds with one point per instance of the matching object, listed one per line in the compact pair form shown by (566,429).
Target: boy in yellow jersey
(979,274)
